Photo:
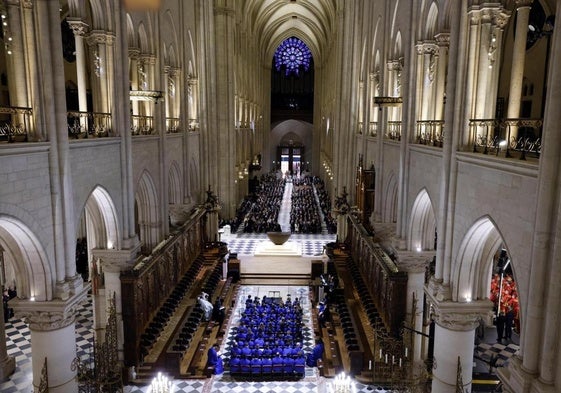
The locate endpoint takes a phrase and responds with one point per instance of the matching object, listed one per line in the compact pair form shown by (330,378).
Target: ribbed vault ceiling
(272,21)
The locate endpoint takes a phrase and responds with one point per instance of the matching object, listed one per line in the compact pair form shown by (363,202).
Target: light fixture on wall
(146,95)
(387,101)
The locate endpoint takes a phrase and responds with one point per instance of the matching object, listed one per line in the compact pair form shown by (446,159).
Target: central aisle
(284,212)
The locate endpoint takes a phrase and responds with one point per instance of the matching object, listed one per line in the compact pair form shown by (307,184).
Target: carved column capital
(100,37)
(78,26)
(147,58)
(458,316)
(413,261)
(501,18)
(523,3)
(51,315)
(134,53)
(115,260)
(442,39)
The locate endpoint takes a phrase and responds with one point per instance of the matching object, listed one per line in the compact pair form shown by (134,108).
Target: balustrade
(394,130)
(88,124)
(142,125)
(172,125)
(430,132)
(494,135)
(15,124)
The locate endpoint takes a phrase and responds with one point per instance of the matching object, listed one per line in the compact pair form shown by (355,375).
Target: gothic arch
(174,184)
(131,36)
(474,262)
(431,23)
(422,223)
(194,187)
(389,203)
(143,42)
(26,255)
(102,224)
(146,198)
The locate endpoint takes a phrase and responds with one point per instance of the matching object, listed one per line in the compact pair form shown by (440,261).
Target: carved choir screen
(365,191)
(101,371)
(388,285)
(148,284)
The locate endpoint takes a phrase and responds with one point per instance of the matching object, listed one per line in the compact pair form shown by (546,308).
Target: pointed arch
(174,184)
(148,218)
(102,223)
(143,42)
(474,262)
(431,24)
(194,183)
(422,225)
(26,255)
(389,203)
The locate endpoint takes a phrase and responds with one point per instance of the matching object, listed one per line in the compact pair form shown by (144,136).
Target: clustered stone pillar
(518,59)
(80,28)
(7,363)
(454,338)
(53,339)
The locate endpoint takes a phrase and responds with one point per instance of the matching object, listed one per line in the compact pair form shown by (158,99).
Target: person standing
(500,326)
(509,321)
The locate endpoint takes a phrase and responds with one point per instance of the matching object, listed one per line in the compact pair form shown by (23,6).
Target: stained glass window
(292,54)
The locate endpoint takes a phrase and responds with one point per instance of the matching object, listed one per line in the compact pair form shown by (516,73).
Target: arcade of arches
(137,138)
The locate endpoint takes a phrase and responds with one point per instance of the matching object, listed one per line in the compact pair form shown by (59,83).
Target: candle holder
(161,384)
(342,384)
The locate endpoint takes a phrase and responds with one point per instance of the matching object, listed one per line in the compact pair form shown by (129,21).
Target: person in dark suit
(509,321)
(500,322)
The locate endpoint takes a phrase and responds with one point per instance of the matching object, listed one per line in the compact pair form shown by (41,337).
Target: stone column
(16,54)
(53,337)
(7,363)
(443,42)
(112,262)
(536,366)
(415,264)
(80,28)
(430,61)
(518,59)
(454,338)
(101,43)
(133,56)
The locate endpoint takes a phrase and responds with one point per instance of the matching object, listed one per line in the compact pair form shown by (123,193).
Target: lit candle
(380,354)
(386,358)
(399,362)
(370,364)
(406,349)
(393,359)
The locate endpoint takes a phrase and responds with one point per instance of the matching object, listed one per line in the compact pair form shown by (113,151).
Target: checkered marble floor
(245,243)
(500,351)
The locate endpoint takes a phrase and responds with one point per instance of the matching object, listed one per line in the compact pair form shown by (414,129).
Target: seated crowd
(264,213)
(304,214)
(325,205)
(268,340)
